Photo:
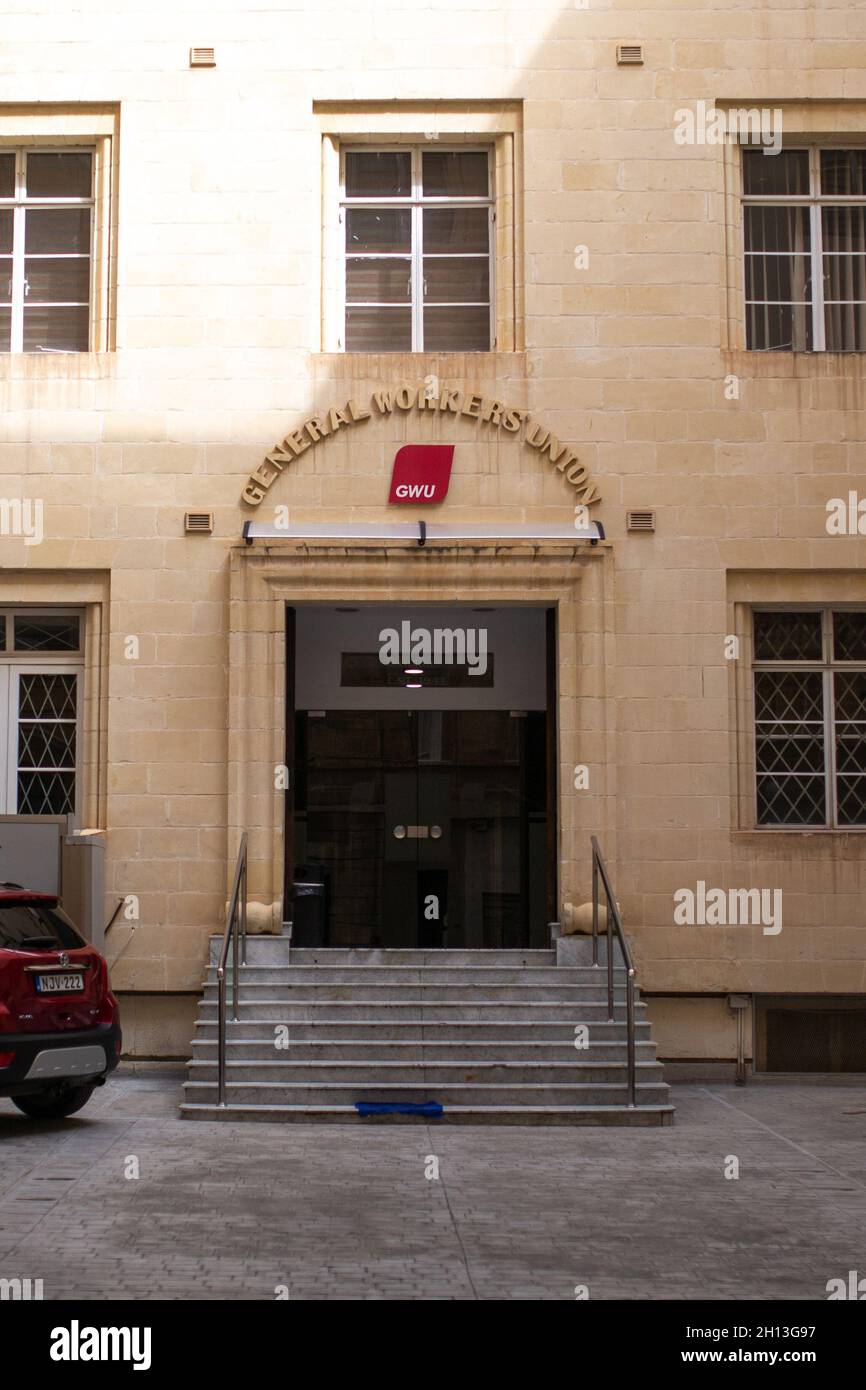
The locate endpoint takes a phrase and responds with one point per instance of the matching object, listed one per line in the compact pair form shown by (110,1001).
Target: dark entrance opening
(425,823)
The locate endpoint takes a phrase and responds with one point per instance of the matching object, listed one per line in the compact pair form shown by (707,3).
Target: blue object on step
(398,1107)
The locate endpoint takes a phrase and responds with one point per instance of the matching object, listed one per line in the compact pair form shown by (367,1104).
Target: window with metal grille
(41,682)
(418,238)
(815,1039)
(804,232)
(810,717)
(46,235)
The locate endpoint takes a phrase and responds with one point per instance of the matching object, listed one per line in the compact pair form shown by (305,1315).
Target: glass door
(482,866)
(423,828)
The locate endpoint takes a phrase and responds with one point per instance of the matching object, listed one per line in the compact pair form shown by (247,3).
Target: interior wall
(515,639)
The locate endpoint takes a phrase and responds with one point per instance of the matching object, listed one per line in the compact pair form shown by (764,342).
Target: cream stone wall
(218,279)
(157,1026)
(697,1029)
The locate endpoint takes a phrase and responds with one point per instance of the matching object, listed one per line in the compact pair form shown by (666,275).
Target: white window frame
(13,665)
(20,204)
(828,666)
(814,200)
(417,202)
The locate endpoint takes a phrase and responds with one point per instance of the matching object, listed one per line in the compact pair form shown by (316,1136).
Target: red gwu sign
(421,473)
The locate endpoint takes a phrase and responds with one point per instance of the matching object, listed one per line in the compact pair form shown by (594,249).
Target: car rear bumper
(45,1059)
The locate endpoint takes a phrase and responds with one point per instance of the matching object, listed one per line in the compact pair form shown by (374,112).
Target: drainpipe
(738,1004)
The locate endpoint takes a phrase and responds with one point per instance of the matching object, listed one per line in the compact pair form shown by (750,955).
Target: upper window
(418,237)
(46,235)
(810,717)
(805,245)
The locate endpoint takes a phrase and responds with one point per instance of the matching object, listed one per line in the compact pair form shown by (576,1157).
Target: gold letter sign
(404,397)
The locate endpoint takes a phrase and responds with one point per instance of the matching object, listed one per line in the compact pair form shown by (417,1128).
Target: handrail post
(609,910)
(244,913)
(629,996)
(221,1045)
(594,908)
(236,928)
(235,944)
(614,925)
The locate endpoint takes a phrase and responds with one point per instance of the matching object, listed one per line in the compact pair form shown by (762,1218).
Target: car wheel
(55,1104)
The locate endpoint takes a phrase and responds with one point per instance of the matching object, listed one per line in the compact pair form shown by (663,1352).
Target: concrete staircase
(488,1034)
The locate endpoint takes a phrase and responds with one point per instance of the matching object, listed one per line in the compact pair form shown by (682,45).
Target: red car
(59,1021)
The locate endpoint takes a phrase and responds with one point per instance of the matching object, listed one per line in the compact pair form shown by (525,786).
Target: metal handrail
(236,936)
(599,874)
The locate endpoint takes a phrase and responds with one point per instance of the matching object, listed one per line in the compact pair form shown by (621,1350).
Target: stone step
(425,1073)
(447,1093)
(277,950)
(369,1011)
(368,975)
(577,950)
(362,990)
(488,1034)
(416,1050)
(457,1031)
(618,1115)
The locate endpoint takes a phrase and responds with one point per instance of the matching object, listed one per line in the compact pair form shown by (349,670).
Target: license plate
(72,983)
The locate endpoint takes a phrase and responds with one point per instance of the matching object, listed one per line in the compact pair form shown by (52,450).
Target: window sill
(52,366)
(763,830)
(453,364)
(789,362)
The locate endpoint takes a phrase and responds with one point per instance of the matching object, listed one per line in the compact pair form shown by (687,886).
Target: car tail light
(6,1059)
(108,1007)
(99,980)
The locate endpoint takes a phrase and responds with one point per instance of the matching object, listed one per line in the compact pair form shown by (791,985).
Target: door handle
(413,832)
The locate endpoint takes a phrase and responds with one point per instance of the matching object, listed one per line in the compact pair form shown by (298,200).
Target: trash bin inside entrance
(310,899)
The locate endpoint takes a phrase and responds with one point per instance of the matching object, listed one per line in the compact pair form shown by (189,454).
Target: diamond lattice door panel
(47,708)
(47,633)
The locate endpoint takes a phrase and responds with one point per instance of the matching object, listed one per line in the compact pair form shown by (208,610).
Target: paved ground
(233,1211)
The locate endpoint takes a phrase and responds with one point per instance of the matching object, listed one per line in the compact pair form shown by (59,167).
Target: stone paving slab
(227,1210)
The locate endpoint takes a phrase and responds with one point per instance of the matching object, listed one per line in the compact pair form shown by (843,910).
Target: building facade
(270,273)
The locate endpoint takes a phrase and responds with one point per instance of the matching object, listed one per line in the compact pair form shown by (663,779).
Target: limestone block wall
(623,324)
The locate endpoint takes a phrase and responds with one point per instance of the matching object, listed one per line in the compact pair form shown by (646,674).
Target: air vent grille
(629,54)
(198,523)
(202,58)
(640,521)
